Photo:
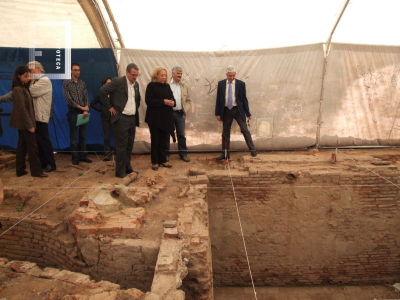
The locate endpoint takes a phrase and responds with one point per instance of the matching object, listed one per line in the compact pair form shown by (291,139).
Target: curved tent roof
(17,15)
(202,26)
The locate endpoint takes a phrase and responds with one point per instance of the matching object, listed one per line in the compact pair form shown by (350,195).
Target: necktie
(230,97)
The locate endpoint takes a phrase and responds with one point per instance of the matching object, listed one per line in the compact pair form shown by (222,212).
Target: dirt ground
(56,197)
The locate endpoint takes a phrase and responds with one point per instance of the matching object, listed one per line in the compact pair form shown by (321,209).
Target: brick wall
(317,226)
(193,222)
(128,262)
(41,242)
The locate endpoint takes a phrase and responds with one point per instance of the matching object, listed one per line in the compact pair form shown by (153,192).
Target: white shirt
(176,90)
(130,106)
(233,93)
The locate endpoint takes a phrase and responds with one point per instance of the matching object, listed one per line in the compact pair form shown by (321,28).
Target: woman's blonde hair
(156,72)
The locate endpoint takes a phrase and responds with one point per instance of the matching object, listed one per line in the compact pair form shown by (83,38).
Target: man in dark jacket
(232,104)
(123,104)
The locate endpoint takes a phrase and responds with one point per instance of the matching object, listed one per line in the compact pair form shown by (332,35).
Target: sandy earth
(58,196)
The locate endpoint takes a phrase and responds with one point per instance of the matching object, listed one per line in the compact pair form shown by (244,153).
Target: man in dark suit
(123,104)
(232,104)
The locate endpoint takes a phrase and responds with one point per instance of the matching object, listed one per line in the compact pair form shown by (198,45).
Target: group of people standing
(167,105)
(32,108)
(167,102)
(121,97)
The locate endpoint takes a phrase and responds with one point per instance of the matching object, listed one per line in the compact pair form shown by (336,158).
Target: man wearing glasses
(77,99)
(123,104)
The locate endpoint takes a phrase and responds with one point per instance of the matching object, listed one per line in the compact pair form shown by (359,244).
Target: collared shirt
(176,90)
(233,92)
(75,93)
(130,106)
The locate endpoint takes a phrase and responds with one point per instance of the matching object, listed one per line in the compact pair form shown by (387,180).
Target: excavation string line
(371,170)
(75,180)
(240,223)
(214,187)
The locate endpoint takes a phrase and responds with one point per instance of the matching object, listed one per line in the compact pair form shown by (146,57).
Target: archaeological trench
(306,221)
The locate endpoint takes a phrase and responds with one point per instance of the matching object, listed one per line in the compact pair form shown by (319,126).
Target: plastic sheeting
(94,63)
(283,89)
(361,96)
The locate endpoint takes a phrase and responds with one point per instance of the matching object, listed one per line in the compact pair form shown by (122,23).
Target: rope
(50,199)
(241,230)
(371,170)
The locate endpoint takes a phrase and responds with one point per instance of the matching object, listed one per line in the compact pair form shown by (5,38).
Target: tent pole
(327,46)
(110,14)
(328,41)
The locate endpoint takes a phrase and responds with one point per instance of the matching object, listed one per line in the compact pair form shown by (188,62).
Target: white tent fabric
(359,93)
(18,15)
(283,89)
(361,96)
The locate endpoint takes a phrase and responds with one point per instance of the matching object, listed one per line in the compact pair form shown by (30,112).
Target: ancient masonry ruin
(306,221)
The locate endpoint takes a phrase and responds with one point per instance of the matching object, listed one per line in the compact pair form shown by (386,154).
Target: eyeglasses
(76,70)
(134,75)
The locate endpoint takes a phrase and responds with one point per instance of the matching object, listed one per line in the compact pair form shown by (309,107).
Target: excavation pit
(306,222)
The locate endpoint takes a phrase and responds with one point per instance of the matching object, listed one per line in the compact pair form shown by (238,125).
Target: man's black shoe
(22,173)
(121,175)
(86,160)
(185,158)
(106,159)
(49,169)
(253,153)
(221,157)
(75,162)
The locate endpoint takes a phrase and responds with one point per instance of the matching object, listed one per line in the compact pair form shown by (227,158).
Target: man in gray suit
(123,104)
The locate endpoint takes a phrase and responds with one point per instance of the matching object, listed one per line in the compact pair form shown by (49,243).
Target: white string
(241,230)
(371,170)
(50,199)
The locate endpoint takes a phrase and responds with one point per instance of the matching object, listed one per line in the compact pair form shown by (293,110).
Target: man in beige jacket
(182,98)
(42,94)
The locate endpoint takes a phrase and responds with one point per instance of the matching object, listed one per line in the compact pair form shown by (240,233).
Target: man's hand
(113,111)
(219,118)
(84,108)
(85,114)
(249,118)
(169,102)
(31,129)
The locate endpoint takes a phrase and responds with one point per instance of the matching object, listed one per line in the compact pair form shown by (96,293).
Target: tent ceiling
(211,25)
(17,15)
(96,19)
(201,26)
